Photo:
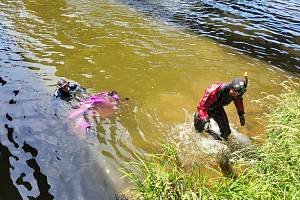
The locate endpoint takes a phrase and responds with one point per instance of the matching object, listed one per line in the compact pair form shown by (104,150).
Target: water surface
(267,30)
(105,45)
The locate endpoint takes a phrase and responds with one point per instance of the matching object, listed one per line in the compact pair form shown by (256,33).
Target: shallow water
(103,46)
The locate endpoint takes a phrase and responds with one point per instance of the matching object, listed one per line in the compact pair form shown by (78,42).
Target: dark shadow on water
(27,148)
(40,158)
(7,189)
(41,180)
(3,82)
(10,136)
(26,184)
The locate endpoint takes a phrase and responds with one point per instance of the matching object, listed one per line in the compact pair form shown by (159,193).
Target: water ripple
(270,29)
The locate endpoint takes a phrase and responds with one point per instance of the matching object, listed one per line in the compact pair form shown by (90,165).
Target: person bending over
(215,97)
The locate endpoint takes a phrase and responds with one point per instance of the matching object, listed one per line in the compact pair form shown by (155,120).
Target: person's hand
(207,126)
(242,120)
(112,93)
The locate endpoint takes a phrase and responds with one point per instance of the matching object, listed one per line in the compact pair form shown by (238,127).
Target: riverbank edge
(270,169)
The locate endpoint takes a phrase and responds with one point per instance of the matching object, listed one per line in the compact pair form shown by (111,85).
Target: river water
(267,30)
(103,45)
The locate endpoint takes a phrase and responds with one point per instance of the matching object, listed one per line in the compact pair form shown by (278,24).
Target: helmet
(238,85)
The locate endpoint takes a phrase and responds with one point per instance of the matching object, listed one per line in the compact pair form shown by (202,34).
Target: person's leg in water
(221,118)
(199,126)
(198,123)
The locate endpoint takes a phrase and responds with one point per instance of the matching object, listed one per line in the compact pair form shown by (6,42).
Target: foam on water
(201,148)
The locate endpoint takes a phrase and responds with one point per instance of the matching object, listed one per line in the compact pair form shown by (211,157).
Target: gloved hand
(242,119)
(207,126)
(112,93)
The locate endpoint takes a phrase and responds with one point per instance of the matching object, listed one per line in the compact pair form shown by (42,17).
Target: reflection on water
(268,30)
(40,158)
(104,46)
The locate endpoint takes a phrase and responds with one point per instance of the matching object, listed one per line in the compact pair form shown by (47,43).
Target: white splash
(201,147)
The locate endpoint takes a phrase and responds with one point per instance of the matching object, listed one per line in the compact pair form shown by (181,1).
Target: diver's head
(237,87)
(63,85)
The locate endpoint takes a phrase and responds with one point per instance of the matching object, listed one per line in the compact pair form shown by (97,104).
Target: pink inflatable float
(103,104)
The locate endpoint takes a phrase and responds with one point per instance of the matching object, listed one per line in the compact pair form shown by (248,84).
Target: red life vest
(217,96)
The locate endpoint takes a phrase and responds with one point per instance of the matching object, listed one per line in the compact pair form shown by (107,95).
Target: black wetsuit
(212,104)
(73,90)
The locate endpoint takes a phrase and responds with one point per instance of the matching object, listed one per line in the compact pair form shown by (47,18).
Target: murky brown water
(267,30)
(104,45)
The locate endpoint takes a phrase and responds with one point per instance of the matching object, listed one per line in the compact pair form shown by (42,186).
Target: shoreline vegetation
(265,170)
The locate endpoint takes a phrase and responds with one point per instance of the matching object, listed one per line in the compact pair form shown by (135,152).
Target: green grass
(275,173)
(162,176)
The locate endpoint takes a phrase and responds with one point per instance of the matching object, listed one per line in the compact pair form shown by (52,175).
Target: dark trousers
(220,116)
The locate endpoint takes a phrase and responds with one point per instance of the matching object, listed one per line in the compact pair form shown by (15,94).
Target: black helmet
(239,85)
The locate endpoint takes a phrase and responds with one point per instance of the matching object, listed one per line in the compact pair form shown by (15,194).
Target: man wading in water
(216,96)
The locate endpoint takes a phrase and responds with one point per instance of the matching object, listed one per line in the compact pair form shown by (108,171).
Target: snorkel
(246,79)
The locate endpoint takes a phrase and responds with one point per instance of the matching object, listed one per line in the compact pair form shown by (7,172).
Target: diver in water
(66,90)
(216,96)
(102,104)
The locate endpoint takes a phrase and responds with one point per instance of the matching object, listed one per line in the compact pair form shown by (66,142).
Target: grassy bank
(273,172)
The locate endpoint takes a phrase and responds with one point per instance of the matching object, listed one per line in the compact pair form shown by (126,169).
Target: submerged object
(103,104)
(104,99)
